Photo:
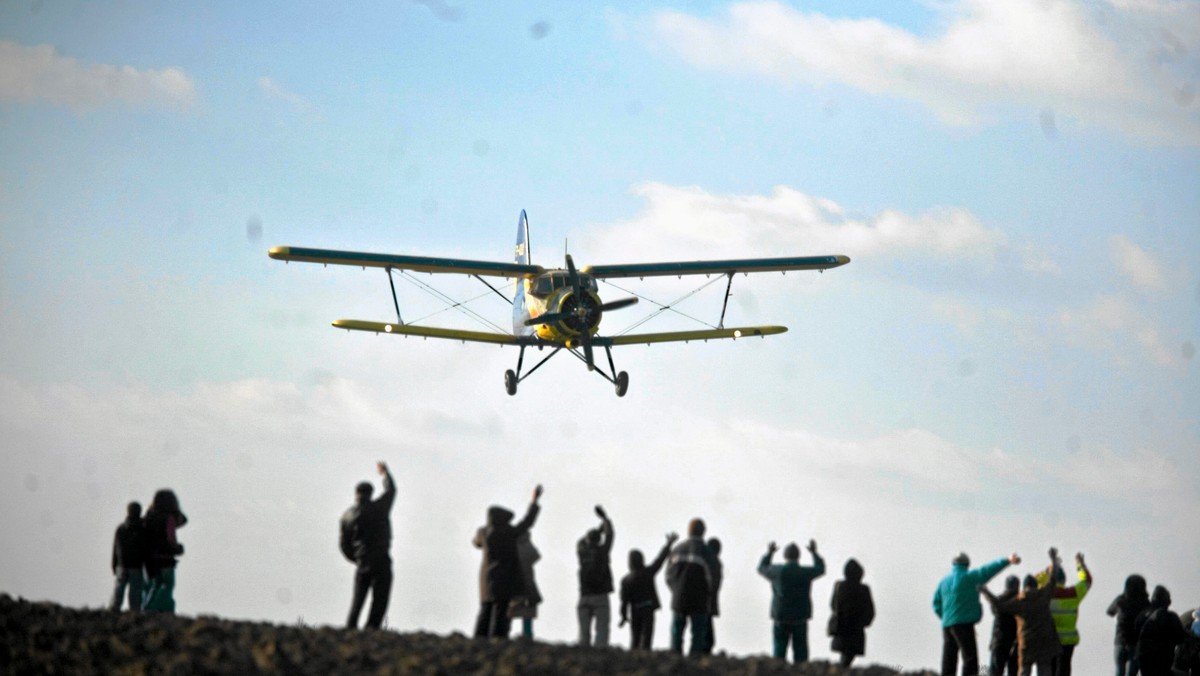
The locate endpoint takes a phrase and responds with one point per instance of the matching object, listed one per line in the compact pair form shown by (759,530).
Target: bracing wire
(451,304)
(663,308)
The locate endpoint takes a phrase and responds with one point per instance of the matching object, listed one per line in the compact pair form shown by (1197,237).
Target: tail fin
(521,254)
(521,257)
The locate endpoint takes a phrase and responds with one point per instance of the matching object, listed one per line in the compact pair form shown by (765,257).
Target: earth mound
(49,638)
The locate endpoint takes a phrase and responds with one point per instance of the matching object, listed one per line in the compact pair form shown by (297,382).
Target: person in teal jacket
(956,602)
(791,597)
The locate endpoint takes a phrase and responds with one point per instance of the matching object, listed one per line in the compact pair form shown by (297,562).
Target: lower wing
(687,336)
(434,332)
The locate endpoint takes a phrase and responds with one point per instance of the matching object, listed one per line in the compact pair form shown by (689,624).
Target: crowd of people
(1034,620)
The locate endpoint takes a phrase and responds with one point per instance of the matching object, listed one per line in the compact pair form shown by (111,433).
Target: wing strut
(728,288)
(394,301)
(506,298)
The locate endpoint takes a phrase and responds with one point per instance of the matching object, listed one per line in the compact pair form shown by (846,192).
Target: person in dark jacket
(160,523)
(1037,639)
(524,605)
(1159,631)
(366,541)
(500,577)
(853,611)
(1187,655)
(1003,646)
(639,597)
(595,581)
(129,558)
(692,574)
(791,597)
(1126,608)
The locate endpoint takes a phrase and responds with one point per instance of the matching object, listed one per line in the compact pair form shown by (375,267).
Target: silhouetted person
(639,595)
(692,574)
(853,611)
(714,546)
(595,581)
(161,521)
(1160,631)
(1187,654)
(1037,640)
(129,558)
(956,603)
(366,541)
(500,570)
(1004,632)
(1126,608)
(791,598)
(1064,606)
(524,604)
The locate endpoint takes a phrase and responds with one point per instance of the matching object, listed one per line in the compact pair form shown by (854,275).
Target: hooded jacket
(366,533)
(956,600)
(1160,631)
(637,588)
(1127,607)
(853,611)
(160,522)
(1037,639)
(500,571)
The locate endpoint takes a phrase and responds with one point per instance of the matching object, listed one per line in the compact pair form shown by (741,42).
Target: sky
(1007,364)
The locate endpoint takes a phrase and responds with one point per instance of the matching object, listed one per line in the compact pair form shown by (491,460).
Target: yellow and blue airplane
(557,308)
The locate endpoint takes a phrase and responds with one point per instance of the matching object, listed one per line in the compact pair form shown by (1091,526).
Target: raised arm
(654,567)
(532,513)
(606,528)
(764,565)
(389,486)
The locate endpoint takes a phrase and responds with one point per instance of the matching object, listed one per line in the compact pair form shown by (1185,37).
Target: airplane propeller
(579,313)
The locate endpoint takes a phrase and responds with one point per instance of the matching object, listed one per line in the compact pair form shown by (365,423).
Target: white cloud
(684,221)
(1136,264)
(1051,57)
(1112,323)
(272,90)
(41,74)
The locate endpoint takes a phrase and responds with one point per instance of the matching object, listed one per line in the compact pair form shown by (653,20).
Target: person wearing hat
(1037,639)
(956,603)
(366,541)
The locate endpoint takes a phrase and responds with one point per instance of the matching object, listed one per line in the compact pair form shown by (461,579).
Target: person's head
(791,552)
(497,515)
(1161,598)
(1012,584)
(363,491)
(165,501)
(1030,584)
(1135,587)
(636,560)
(853,571)
(962,560)
(696,528)
(133,510)
(593,536)
(1060,576)
(714,545)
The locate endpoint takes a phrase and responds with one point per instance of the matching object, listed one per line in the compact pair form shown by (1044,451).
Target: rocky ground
(38,638)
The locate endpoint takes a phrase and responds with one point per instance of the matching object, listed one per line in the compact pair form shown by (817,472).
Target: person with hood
(1126,608)
(714,546)
(1064,606)
(160,523)
(1187,655)
(1037,640)
(1159,631)
(956,603)
(366,541)
(524,604)
(639,596)
(692,574)
(853,611)
(791,597)
(500,570)
(129,558)
(595,581)
(1003,645)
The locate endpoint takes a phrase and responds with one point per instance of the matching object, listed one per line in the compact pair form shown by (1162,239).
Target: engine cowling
(578,315)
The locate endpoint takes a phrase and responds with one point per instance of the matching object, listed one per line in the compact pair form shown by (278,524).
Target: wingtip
(278,252)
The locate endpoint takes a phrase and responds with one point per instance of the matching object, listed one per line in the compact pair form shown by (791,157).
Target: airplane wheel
(622,383)
(510,382)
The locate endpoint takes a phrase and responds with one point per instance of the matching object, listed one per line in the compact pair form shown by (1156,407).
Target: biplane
(556,308)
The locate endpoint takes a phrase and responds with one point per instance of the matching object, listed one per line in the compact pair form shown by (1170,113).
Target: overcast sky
(1008,363)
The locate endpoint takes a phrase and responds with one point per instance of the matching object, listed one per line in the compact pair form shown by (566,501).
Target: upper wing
(418,263)
(434,332)
(716,267)
(677,336)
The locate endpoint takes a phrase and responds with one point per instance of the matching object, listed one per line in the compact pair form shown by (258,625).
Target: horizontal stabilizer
(434,332)
(686,336)
(417,263)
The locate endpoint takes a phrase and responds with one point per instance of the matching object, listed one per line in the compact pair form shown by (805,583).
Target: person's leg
(800,642)
(847,658)
(119,583)
(137,586)
(1064,661)
(712,635)
(636,629)
(362,582)
(678,625)
(483,622)
(648,628)
(501,623)
(699,634)
(602,609)
(584,612)
(167,590)
(527,627)
(949,652)
(964,636)
(780,635)
(381,591)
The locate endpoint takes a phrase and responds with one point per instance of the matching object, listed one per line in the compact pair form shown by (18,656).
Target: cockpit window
(548,284)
